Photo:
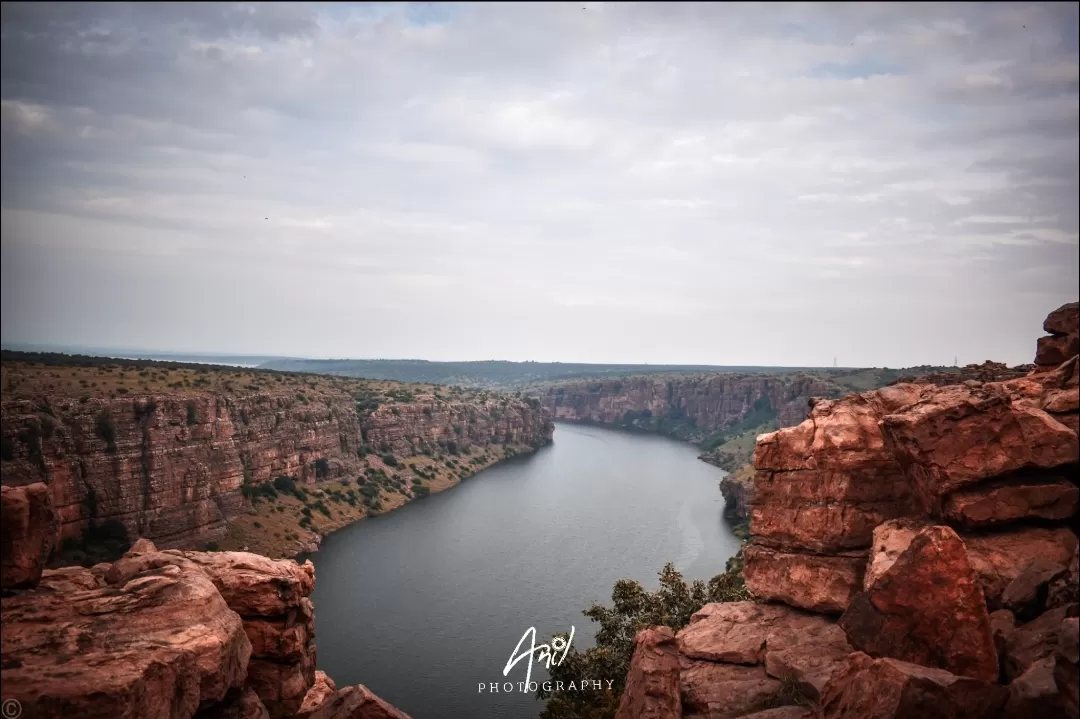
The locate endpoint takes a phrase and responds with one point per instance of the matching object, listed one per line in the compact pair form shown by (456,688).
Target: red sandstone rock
(282,685)
(1031,642)
(1000,558)
(735,632)
(1034,693)
(788,712)
(824,485)
(1026,595)
(809,581)
(652,683)
(958,436)
(238,704)
(890,539)
(1064,339)
(926,608)
(254,585)
(193,456)
(712,690)
(320,691)
(356,702)
(865,688)
(156,644)
(1066,671)
(1065,589)
(810,656)
(990,505)
(28,533)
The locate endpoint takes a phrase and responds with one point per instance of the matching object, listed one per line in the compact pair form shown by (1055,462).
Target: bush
(322,467)
(106,429)
(389,460)
(633,609)
(285,485)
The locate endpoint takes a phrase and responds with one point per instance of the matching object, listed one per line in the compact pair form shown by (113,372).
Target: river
(428,601)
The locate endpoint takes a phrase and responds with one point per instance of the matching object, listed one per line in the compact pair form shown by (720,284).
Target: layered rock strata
(172,467)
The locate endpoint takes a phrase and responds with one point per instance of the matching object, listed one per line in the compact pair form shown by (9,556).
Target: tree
(633,609)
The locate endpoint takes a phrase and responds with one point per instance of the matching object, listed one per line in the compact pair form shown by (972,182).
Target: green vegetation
(106,429)
(633,608)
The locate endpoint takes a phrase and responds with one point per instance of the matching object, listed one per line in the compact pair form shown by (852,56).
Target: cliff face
(702,404)
(171,467)
(913,554)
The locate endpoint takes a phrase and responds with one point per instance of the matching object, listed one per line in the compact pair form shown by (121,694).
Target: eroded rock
(28,533)
(154,644)
(926,608)
(355,702)
(1004,503)
(652,683)
(712,690)
(819,583)
(866,688)
(320,691)
(999,558)
(1026,595)
(1066,670)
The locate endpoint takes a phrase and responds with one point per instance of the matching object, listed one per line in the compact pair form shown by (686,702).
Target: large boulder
(1026,596)
(155,643)
(824,485)
(926,608)
(652,684)
(1030,643)
(1064,340)
(28,534)
(999,558)
(959,436)
(819,583)
(725,691)
(866,688)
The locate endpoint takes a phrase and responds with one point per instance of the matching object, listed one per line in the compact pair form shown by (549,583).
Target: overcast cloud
(680,183)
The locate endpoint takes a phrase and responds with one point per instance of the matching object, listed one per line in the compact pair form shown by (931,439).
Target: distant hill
(499,374)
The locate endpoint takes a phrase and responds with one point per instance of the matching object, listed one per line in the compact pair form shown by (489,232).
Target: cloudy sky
(680,183)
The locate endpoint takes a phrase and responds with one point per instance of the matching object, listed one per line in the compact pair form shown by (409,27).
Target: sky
(714,183)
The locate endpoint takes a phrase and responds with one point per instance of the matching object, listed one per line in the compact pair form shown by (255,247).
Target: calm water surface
(426,602)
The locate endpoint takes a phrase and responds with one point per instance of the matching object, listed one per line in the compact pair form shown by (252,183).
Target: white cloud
(685,173)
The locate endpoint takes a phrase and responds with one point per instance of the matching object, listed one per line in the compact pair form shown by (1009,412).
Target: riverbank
(294,520)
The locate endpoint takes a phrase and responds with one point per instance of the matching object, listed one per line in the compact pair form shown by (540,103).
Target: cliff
(688,407)
(177,464)
(167,634)
(913,554)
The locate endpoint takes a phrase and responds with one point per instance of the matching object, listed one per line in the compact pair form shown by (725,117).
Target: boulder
(254,585)
(320,691)
(28,534)
(1066,671)
(1034,641)
(959,436)
(652,683)
(735,632)
(715,690)
(991,505)
(824,485)
(1065,589)
(819,583)
(866,688)
(788,712)
(1064,339)
(926,608)
(157,643)
(808,656)
(1000,557)
(1034,693)
(355,702)
(1026,595)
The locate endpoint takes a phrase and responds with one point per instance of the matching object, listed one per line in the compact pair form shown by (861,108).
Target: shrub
(257,525)
(285,484)
(633,609)
(322,467)
(106,429)
(389,460)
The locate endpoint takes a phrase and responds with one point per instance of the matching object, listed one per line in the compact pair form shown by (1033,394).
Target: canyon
(912,554)
(181,465)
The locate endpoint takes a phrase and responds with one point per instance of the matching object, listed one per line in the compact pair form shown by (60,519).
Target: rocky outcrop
(988,371)
(174,635)
(1063,326)
(737,488)
(866,688)
(652,686)
(924,607)
(28,533)
(935,518)
(172,467)
(689,406)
